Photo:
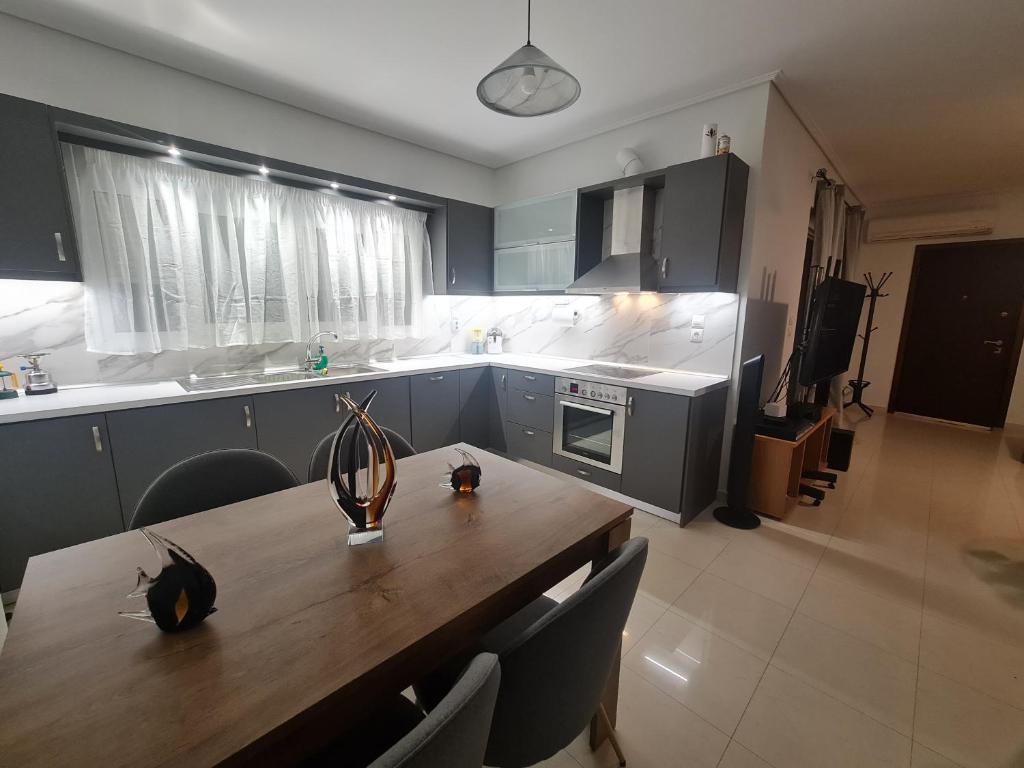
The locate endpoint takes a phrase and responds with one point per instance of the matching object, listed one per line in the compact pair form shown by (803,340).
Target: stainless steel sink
(232,380)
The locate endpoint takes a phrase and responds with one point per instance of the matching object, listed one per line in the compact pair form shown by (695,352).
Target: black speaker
(840,449)
(741,454)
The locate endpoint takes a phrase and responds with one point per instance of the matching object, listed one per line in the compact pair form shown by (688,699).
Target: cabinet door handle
(452,270)
(629,405)
(97,440)
(437,378)
(337,403)
(59,239)
(529,432)
(664,268)
(531,398)
(504,381)
(248,416)
(528,377)
(582,472)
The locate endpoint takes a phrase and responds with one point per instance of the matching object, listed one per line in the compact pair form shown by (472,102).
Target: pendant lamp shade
(528,83)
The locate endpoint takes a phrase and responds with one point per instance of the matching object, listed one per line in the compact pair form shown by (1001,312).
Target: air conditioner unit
(931,225)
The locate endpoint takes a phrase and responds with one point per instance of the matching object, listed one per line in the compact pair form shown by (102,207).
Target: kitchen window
(178,258)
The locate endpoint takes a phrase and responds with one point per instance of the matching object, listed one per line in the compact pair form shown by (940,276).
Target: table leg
(610,698)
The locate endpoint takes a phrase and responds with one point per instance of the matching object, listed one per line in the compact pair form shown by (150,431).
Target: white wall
(898,257)
(44,65)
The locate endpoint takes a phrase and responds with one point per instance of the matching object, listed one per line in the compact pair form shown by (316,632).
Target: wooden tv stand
(777,465)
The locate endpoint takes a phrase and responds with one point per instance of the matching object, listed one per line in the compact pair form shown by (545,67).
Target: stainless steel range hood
(629,265)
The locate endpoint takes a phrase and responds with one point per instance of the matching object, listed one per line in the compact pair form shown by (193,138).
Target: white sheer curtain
(178,258)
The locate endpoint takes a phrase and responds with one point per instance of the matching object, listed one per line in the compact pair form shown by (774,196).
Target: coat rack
(859,385)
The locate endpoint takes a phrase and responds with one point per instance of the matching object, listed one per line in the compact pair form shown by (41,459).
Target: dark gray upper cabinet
(470,246)
(290,424)
(435,409)
(654,447)
(702,227)
(390,408)
(58,489)
(497,410)
(474,401)
(147,441)
(37,238)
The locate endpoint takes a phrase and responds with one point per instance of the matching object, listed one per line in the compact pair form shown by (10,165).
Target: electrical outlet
(696,335)
(456,324)
(697,321)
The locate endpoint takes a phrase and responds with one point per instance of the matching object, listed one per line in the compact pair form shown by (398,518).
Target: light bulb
(173,151)
(528,83)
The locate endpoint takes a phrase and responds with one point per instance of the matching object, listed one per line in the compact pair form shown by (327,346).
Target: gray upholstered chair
(321,454)
(453,735)
(211,480)
(555,662)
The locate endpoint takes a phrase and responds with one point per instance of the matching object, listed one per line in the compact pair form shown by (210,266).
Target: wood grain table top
(309,634)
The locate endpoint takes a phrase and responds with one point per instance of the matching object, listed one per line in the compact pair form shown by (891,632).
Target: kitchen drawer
(528,443)
(586,472)
(539,383)
(530,409)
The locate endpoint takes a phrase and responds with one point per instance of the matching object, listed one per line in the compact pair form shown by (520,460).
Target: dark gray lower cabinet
(435,409)
(497,410)
(146,441)
(654,447)
(474,401)
(390,408)
(703,452)
(290,424)
(586,472)
(528,443)
(58,489)
(531,410)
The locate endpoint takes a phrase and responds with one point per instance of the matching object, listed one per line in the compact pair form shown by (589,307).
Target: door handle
(97,440)
(452,270)
(437,378)
(528,377)
(59,239)
(994,342)
(531,398)
(582,472)
(529,432)
(664,268)
(504,381)
(629,405)
(248,416)
(337,403)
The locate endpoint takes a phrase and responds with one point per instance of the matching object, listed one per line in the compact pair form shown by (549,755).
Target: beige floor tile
(692,546)
(792,724)
(738,756)
(753,622)
(709,675)
(974,659)
(642,616)
(877,571)
(655,731)
(923,757)
(748,567)
(665,578)
(786,542)
(967,726)
(875,682)
(890,625)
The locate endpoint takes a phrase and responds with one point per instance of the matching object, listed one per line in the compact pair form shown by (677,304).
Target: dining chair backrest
(321,454)
(454,734)
(553,673)
(211,480)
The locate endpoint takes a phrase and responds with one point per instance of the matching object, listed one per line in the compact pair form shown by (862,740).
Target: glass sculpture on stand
(361,472)
(181,595)
(464,478)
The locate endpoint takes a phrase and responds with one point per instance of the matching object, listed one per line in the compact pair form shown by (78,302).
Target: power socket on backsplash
(696,335)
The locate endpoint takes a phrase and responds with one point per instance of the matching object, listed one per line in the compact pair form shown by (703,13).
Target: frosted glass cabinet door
(538,267)
(540,220)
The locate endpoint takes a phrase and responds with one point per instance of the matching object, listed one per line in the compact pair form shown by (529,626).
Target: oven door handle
(582,407)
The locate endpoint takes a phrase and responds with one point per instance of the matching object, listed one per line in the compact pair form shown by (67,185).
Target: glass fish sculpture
(464,478)
(181,595)
(361,472)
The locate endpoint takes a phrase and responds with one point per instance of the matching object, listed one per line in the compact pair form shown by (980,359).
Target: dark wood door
(37,239)
(470,249)
(435,409)
(147,441)
(654,447)
(390,408)
(293,422)
(474,399)
(961,332)
(58,489)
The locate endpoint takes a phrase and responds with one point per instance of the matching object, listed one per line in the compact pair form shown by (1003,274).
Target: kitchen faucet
(319,362)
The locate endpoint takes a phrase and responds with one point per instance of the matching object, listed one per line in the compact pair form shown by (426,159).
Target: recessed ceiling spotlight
(392,198)
(335,185)
(264,170)
(173,151)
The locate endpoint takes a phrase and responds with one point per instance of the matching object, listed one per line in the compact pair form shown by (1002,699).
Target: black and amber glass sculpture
(464,478)
(181,595)
(361,472)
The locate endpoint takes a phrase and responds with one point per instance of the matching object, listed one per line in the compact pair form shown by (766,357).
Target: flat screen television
(835,316)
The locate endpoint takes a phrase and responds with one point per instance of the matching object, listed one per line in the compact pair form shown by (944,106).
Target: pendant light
(528,83)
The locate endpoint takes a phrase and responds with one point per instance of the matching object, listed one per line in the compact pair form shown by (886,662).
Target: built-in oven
(590,422)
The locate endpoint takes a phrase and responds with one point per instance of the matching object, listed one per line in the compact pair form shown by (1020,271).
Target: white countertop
(84,399)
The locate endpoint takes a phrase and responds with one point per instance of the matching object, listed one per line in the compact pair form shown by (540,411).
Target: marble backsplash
(642,329)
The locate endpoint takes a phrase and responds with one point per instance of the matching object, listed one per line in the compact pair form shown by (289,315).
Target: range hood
(629,264)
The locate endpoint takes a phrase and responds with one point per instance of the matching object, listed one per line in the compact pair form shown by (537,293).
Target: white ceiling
(909,97)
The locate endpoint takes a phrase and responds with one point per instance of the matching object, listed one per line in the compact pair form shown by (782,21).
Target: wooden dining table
(310,635)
